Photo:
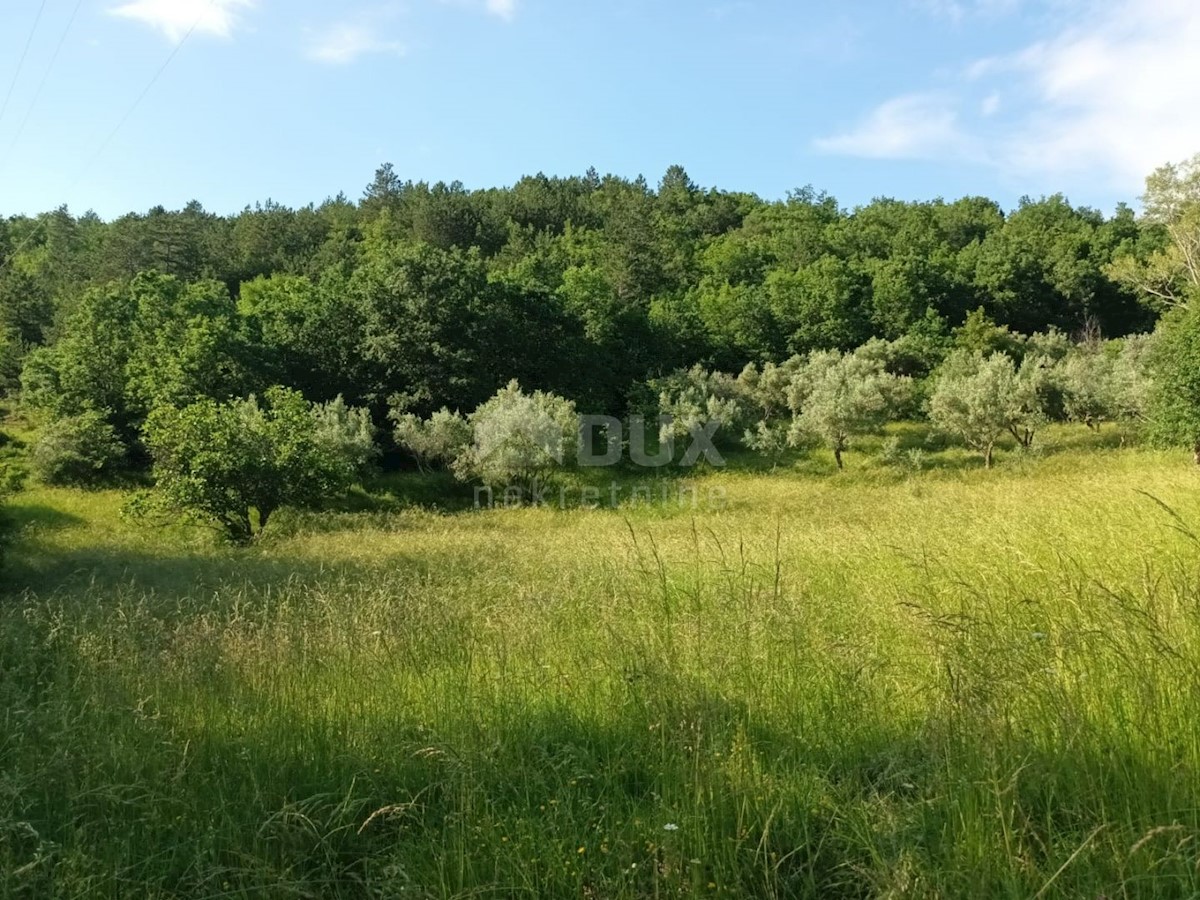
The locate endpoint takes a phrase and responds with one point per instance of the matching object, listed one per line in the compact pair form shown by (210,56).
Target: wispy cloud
(347,42)
(505,9)
(1107,99)
(178,18)
(915,126)
(501,9)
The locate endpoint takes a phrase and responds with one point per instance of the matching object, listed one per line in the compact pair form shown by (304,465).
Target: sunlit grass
(887,683)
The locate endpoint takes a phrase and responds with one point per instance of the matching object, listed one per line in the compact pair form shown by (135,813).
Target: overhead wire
(21,65)
(142,96)
(42,84)
(4,263)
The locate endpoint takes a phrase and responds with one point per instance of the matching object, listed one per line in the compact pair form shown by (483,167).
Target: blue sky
(296,100)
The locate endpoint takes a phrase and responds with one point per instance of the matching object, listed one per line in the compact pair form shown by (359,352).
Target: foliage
(77,450)
(696,399)
(234,464)
(1174,407)
(519,440)
(980,398)
(346,434)
(836,397)
(128,349)
(585,287)
(1167,272)
(438,440)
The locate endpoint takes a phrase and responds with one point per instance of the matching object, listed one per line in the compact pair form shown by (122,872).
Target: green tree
(1174,408)
(234,464)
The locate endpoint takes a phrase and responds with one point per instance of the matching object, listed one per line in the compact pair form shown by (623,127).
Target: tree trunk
(1197,453)
(837,455)
(987,456)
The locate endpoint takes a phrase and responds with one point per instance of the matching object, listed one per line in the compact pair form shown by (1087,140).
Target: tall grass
(952,684)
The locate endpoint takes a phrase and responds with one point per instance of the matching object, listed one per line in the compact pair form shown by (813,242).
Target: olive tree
(234,464)
(519,439)
(836,397)
(978,398)
(438,440)
(1132,384)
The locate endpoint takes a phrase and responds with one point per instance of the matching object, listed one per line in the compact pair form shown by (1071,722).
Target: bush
(696,398)
(519,439)
(77,450)
(233,465)
(346,433)
(436,441)
(1174,399)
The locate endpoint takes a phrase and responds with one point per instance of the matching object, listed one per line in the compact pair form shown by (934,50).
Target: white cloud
(344,43)
(501,9)
(1105,100)
(178,18)
(505,9)
(915,126)
(1117,95)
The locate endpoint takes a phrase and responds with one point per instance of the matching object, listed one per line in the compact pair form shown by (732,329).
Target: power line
(41,86)
(120,124)
(21,65)
(142,96)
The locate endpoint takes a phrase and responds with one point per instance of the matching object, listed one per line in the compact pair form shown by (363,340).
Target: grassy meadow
(897,681)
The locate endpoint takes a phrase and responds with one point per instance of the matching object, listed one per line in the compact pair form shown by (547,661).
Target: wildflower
(670,826)
(1039,635)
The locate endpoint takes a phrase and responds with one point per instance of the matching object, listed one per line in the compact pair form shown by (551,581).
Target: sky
(121,105)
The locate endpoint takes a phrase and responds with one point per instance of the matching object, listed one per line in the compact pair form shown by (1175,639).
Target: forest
(600,291)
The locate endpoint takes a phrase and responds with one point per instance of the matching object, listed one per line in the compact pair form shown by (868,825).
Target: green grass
(885,683)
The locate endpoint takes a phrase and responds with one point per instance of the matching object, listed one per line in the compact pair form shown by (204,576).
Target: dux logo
(608,432)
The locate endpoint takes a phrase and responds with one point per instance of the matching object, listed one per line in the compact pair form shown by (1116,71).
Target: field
(885,683)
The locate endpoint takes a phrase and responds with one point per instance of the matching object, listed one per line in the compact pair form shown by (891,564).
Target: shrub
(346,433)
(519,439)
(438,440)
(697,398)
(77,450)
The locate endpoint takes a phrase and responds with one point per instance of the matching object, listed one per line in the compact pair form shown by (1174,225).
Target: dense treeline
(583,286)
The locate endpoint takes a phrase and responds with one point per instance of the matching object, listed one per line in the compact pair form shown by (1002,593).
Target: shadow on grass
(206,578)
(40,517)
